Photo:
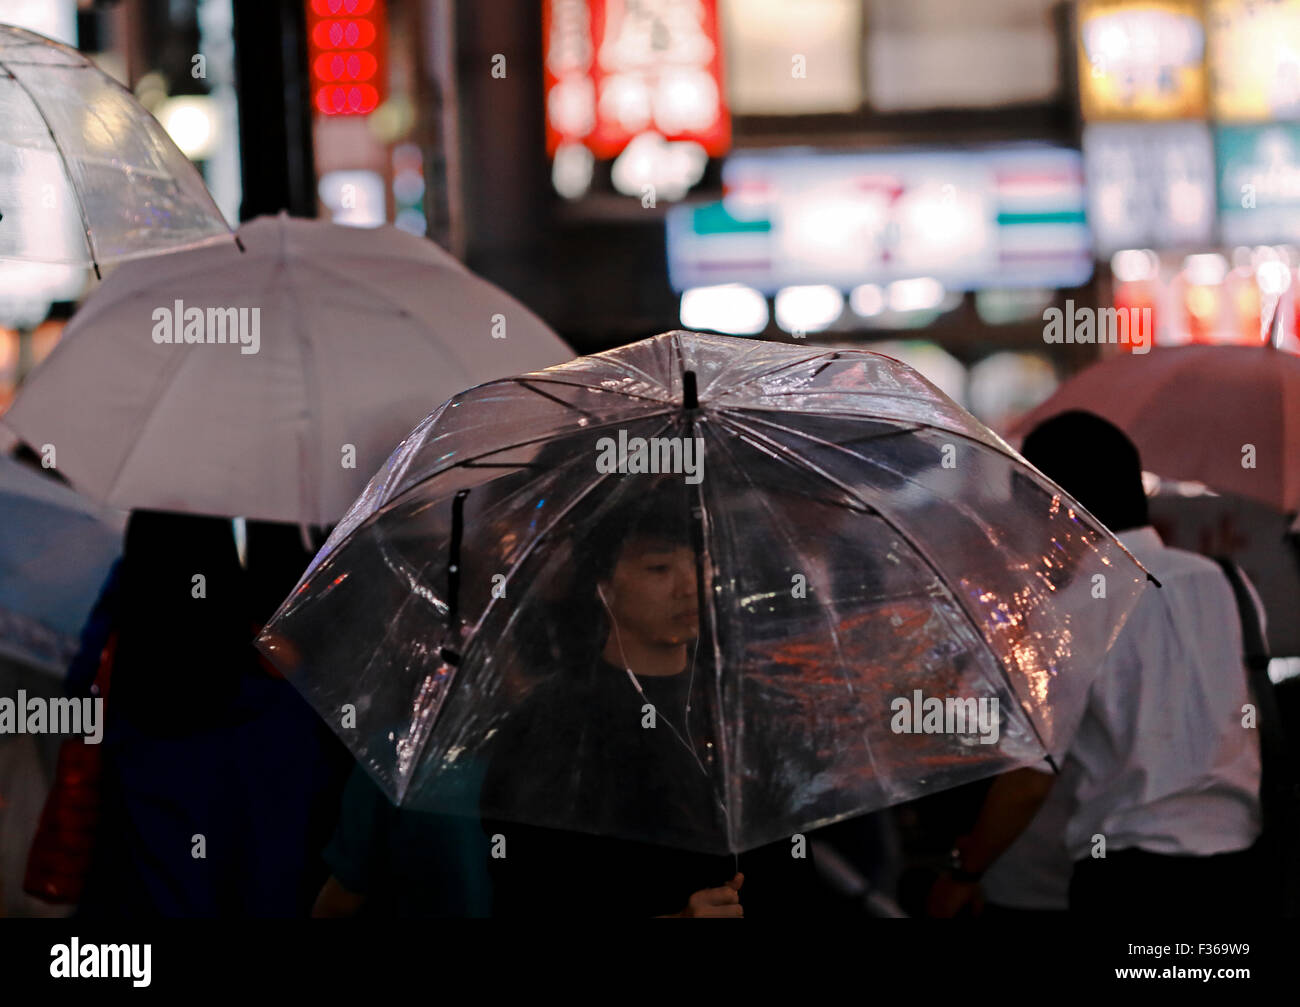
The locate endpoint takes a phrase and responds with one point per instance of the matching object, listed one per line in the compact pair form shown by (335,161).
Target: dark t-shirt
(408,864)
(576,751)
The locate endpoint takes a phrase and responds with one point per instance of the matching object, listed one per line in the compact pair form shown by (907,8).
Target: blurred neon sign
(1141,60)
(995,217)
(346,42)
(619,70)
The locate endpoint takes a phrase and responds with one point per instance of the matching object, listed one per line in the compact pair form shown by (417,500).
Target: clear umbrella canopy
(87,175)
(707,623)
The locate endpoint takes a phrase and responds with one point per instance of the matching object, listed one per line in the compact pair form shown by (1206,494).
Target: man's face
(652,593)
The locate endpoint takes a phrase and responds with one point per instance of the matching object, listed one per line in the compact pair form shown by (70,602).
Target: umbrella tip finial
(690,395)
(239,244)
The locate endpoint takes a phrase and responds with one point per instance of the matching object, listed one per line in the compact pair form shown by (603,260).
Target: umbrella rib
(414,265)
(384,297)
(476,629)
(546,531)
(865,393)
(1055,489)
(912,543)
(449,263)
(499,465)
(398,498)
(311,391)
(778,368)
(1175,372)
(840,448)
(543,438)
(733,363)
(166,383)
(830,623)
(998,445)
(443,348)
(645,375)
(605,356)
(63,160)
(522,383)
(152,173)
(900,426)
(212,240)
(541,377)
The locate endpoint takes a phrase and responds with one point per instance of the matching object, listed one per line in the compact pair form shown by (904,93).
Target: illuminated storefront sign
(1203,298)
(1254,57)
(996,217)
(570,91)
(1259,183)
(1141,60)
(644,75)
(766,75)
(1149,184)
(345,51)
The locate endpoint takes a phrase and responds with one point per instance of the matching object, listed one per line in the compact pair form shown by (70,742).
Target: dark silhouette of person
(218,785)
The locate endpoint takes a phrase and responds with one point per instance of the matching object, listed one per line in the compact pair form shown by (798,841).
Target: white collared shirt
(1160,760)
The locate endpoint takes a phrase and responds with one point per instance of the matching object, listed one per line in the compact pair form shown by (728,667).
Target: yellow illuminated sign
(1142,60)
(1254,59)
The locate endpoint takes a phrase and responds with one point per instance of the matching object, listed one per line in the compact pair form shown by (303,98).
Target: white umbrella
(334,343)
(87,175)
(55,551)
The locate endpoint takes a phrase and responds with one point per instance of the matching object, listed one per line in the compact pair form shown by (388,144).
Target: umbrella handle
(451,656)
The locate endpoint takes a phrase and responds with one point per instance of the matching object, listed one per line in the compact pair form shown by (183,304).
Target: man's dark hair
(569,629)
(660,513)
(1095,462)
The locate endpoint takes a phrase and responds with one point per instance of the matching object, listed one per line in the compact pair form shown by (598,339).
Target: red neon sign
(346,43)
(615,69)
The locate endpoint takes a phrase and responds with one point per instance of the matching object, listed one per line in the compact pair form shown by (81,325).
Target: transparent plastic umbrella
(87,175)
(850,548)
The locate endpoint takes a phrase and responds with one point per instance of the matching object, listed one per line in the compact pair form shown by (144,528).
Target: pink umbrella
(1226,416)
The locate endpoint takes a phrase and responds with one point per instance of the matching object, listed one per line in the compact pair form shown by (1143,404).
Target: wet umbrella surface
(87,175)
(702,592)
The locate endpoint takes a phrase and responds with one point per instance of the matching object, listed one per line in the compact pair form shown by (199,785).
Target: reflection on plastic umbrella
(87,175)
(268,384)
(55,551)
(857,546)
